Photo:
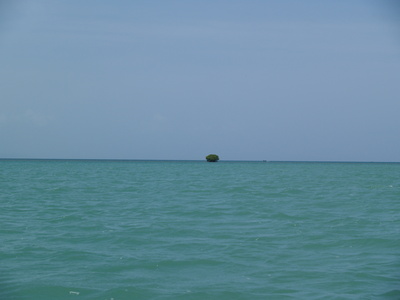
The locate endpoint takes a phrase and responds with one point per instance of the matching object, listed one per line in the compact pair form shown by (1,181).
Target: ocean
(111,230)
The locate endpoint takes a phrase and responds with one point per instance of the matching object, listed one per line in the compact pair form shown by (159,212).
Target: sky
(248,80)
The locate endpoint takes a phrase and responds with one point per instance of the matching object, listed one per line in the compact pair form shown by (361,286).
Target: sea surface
(114,230)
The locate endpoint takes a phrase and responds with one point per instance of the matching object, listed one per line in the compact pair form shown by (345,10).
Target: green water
(197,230)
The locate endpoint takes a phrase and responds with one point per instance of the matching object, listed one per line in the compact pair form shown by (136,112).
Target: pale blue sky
(273,80)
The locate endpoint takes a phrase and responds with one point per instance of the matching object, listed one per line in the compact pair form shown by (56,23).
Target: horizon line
(193,160)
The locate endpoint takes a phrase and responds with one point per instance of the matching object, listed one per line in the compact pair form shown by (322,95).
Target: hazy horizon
(198,160)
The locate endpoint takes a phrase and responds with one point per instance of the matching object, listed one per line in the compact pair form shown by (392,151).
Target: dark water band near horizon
(121,229)
(192,160)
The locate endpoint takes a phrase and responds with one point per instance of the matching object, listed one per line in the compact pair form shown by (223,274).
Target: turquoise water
(197,230)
